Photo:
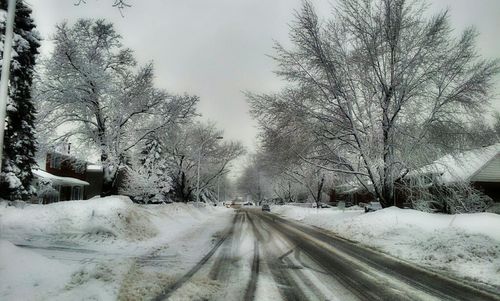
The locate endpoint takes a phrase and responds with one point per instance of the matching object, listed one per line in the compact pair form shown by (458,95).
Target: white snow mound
(114,216)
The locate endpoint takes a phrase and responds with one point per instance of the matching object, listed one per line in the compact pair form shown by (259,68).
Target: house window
(55,161)
(76,193)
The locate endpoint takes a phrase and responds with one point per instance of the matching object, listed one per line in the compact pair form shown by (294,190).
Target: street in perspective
(249,150)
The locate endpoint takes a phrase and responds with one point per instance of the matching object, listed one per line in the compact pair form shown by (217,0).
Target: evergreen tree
(151,154)
(19,144)
(154,167)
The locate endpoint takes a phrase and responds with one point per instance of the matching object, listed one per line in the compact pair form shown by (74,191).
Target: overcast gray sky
(217,48)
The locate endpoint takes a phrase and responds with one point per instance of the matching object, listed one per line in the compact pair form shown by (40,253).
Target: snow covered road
(197,254)
(264,257)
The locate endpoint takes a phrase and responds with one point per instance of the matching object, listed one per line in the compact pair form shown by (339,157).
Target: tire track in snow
(362,286)
(252,284)
(287,286)
(221,267)
(176,285)
(371,275)
(294,271)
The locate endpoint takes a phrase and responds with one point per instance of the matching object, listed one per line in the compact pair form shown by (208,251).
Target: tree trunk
(181,189)
(320,188)
(387,193)
(109,187)
(109,182)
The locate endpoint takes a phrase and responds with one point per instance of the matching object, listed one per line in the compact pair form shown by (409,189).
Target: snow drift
(103,220)
(115,216)
(89,246)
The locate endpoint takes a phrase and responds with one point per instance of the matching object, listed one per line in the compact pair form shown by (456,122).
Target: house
(67,178)
(61,188)
(480,167)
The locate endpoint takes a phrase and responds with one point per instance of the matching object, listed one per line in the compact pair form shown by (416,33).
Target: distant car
(248,204)
(266,208)
(373,206)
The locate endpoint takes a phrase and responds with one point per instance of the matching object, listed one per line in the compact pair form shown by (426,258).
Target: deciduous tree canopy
(370,86)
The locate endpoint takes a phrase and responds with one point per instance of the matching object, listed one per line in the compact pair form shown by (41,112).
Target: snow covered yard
(464,245)
(90,249)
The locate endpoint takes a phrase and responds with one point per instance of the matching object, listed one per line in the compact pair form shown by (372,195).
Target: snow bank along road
(265,257)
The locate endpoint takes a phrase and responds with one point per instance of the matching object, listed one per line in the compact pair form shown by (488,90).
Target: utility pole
(4,80)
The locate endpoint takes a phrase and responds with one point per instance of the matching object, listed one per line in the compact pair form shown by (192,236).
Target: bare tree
(254,181)
(181,151)
(283,162)
(372,83)
(90,89)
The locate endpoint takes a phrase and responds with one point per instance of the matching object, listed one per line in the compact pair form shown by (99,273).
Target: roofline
(436,162)
(58,179)
(483,166)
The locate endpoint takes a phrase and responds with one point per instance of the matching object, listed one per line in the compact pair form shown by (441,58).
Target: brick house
(71,178)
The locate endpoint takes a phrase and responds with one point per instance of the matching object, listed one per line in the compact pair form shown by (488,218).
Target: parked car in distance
(266,208)
(373,206)
(248,204)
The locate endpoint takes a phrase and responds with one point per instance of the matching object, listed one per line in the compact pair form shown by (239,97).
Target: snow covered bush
(145,187)
(45,190)
(464,199)
(451,199)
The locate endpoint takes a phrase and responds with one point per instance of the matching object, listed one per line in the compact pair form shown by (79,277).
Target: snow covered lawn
(465,245)
(90,249)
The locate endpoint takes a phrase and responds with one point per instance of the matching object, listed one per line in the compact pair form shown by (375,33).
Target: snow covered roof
(462,166)
(67,181)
